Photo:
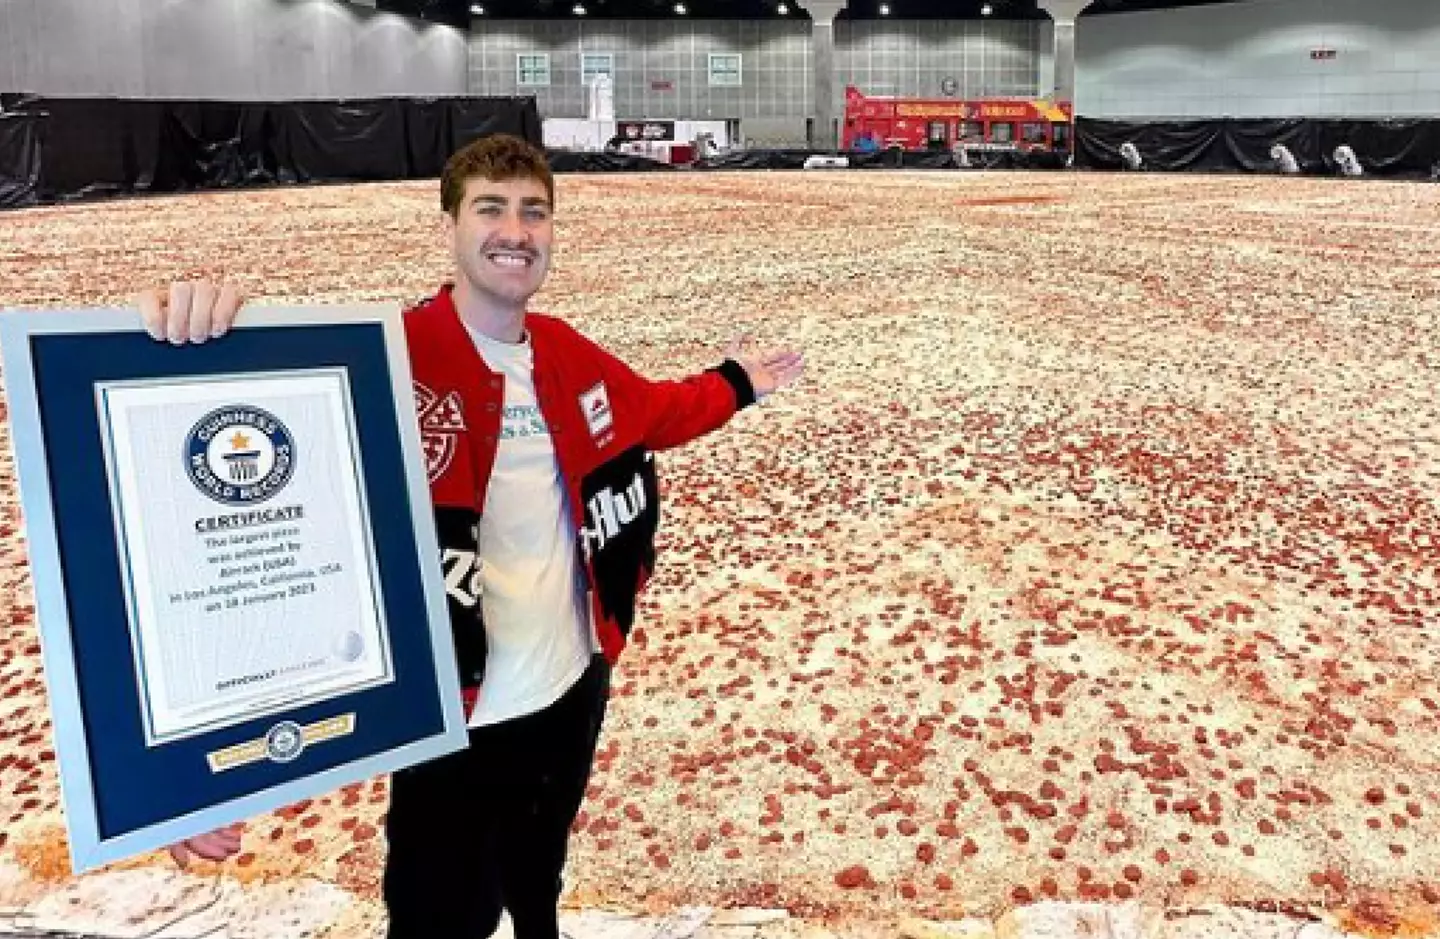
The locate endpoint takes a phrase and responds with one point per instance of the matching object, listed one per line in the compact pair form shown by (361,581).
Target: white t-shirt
(536,615)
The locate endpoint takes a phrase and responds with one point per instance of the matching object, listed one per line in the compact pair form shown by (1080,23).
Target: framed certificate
(234,560)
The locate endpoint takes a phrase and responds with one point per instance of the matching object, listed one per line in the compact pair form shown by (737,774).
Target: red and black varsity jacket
(606,423)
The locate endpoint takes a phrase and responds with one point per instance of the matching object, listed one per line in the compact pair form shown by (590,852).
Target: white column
(822,51)
(1045,87)
(1057,68)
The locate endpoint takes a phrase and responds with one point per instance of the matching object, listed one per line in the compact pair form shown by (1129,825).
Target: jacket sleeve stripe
(734,373)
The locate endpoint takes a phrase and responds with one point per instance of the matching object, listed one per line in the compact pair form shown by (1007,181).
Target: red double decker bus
(943,123)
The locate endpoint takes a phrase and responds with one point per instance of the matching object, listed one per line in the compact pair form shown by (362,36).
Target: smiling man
(539,446)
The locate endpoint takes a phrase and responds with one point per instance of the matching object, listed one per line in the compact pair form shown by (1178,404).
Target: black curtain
(19,160)
(427,137)
(214,145)
(55,149)
(91,147)
(904,159)
(472,118)
(328,141)
(1166,145)
(58,149)
(1400,148)
(757,160)
(1248,144)
(884,159)
(1394,149)
(573,161)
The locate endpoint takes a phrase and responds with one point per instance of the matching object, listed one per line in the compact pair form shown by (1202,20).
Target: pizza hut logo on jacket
(596,405)
(442,420)
(622,516)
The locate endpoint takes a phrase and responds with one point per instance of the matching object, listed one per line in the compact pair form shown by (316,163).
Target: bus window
(972,130)
(1002,133)
(1062,136)
(1034,133)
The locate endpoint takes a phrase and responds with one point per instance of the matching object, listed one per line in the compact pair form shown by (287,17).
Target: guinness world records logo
(284,742)
(239,455)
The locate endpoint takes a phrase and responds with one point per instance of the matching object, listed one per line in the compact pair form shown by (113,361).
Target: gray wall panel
(998,57)
(774,66)
(907,57)
(292,40)
(202,46)
(11,41)
(233,49)
(68,44)
(1253,60)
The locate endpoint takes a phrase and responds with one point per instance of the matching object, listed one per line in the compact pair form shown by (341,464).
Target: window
(972,130)
(725,69)
(1034,133)
(1002,133)
(532,69)
(595,64)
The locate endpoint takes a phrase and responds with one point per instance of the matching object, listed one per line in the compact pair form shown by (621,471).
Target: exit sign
(1322,54)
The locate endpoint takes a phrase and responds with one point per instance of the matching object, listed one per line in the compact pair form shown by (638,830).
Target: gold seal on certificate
(250,577)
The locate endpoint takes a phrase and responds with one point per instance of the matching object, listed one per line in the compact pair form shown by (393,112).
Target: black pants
(487,828)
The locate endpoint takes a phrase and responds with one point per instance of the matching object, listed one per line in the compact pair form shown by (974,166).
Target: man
(539,450)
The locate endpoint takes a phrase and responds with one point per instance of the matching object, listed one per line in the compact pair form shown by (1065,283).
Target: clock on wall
(948,86)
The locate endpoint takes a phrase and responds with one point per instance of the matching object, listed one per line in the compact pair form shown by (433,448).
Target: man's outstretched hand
(770,369)
(190,311)
(219,845)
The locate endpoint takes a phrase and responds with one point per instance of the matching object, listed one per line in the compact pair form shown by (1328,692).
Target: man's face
(503,235)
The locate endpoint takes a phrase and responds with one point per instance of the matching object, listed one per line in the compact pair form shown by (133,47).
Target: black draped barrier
(19,160)
(90,147)
(755,160)
(903,159)
(1162,145)
(1400,149)
(429,129)
(1016,159)
(886,159)
(63,149)
(472,118)
(323,141)
(1248,143)
(577,161)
